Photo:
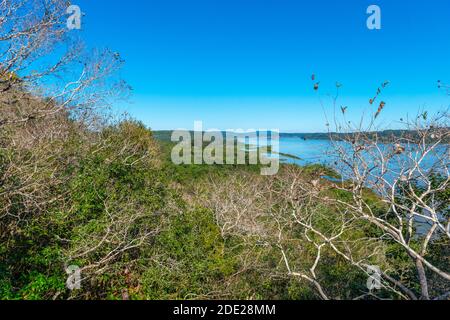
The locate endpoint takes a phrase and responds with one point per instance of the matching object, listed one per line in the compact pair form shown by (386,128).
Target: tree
(33,70)
(53,133)
(395,187)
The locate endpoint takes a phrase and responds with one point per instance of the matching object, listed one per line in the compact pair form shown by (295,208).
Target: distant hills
(165,135)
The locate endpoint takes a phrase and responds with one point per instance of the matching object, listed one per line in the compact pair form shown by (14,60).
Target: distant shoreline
(165,135)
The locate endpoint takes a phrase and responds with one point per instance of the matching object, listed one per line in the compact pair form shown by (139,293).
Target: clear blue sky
(248,63)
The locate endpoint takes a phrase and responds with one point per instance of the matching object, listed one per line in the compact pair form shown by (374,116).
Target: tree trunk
(423,280)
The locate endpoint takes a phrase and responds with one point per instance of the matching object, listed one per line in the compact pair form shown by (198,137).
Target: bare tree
(52,95)
(34,72)
(393,195)
(41,89)
(410,174)
(395,183)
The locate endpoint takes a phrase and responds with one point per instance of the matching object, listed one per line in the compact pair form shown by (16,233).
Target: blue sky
(248,63)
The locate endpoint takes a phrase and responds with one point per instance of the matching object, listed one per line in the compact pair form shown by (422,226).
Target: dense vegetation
(81,188)
(139,227)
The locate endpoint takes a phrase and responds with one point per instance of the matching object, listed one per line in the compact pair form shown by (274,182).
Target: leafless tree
(34,72)
(393,193)
(397,183)
(53,92)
